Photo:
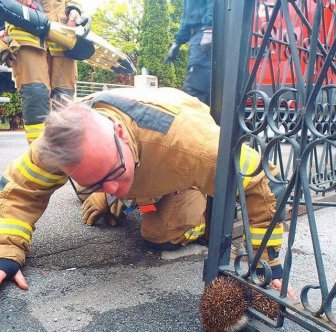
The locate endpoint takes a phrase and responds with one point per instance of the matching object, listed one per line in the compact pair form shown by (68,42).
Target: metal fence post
(236,27)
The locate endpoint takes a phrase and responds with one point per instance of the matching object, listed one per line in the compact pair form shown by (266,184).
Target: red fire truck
(276,67)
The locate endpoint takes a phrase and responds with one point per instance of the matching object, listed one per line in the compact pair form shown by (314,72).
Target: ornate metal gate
(275,89)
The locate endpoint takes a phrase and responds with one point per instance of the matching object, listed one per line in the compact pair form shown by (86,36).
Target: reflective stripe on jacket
(249,161)
(25,189)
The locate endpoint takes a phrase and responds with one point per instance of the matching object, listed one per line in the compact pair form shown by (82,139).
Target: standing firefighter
(196,29)
(157,147)
(40,69)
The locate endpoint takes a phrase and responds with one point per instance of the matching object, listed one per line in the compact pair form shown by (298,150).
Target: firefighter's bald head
(88,147)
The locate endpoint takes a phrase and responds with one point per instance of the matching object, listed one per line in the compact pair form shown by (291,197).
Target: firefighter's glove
(94,207)
(206,41)
(10,267)
(8,49)
(172,53)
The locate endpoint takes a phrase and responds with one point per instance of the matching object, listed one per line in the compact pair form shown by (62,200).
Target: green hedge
(155,40)
(14,106)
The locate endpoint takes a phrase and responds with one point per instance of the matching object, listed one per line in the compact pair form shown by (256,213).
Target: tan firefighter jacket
(174,141)
(56,11)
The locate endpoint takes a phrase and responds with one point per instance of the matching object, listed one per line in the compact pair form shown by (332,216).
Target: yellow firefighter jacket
(174,141)
(56,11)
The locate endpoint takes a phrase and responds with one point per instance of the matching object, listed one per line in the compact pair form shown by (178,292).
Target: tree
(93,74)
(84,72)
(118,22)
(14,106)
(155,40)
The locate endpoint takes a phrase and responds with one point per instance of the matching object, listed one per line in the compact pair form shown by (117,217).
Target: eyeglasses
(116,173)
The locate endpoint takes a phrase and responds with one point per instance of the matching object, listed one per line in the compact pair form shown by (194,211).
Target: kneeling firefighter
(169,185)
(164,148)
(177,218)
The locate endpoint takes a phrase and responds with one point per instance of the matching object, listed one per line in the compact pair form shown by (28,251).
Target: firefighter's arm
(207,18)
(271,252)
(271,255)
(25,190)
(183,34)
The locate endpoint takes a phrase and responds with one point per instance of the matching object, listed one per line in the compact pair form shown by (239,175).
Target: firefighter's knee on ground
(181,239)
(176,220)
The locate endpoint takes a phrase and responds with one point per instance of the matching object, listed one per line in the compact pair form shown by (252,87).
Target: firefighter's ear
(121,132)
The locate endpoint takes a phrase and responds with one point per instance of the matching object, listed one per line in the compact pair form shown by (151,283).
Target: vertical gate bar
(239,19)
(216,91)
(220,30)
(294,216)
(314,234)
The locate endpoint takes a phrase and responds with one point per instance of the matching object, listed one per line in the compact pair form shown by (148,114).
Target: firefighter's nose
(111,187)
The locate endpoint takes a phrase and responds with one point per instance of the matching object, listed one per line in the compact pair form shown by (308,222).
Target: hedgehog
(223,306)
(264,305)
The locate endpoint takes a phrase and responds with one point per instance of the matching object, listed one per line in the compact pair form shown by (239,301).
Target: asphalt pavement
(100,278)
